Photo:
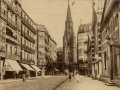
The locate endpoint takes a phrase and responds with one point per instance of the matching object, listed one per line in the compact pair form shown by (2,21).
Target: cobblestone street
(46,83)
(85,83)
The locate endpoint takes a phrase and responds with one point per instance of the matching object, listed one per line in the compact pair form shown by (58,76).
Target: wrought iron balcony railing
(27,49)
(29,25)
(3,16)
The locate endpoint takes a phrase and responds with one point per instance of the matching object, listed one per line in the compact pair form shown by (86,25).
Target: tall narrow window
(10,49)
(104,58)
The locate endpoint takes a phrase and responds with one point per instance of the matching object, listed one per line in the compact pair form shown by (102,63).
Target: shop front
(28,71)
(11,69)
(38,70)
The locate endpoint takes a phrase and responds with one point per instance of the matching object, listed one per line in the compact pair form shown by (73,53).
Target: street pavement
(45,83)
(85,83)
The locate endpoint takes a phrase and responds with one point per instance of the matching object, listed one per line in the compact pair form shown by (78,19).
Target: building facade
(41,51)
(69,40)
(60,60)
(84,32)
(110,50)
(18,41)
(46,50)
(97,63)
(10,29)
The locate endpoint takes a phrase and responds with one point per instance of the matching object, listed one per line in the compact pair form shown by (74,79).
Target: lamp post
(110,42)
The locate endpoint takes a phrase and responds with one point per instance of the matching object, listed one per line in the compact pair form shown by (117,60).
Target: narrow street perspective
(59,44)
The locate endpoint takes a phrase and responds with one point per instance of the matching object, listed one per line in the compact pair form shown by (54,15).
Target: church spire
(69,18)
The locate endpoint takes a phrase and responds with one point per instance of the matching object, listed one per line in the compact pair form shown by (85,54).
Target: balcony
(2,48)
(11,39)
(18,25)
(18,11)
(29,37)
(17,2)
(12,56)
(4,17)
(12,23)
(28,49)
(29,26)
(10,6)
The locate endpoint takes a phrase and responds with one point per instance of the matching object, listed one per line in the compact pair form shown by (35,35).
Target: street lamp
(110,42)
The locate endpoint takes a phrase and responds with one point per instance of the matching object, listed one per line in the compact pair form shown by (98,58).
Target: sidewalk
(85,83)
(19,79)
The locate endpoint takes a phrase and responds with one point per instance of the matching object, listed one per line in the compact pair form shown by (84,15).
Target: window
(24,42)
(15,49)
(6,47)
(10,49)
(116,20)
(104,58)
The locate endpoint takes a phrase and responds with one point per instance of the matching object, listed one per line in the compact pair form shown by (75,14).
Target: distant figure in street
(69,76)
(23,77)
(66,71)
(43,72)
(75,72)
(77,76)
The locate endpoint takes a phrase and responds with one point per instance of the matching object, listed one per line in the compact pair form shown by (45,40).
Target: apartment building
(53,55)
(10,37)
(18,35)
(46,48)
(60,60)
(84,32)
(96,20)
(28,43)
(110,42)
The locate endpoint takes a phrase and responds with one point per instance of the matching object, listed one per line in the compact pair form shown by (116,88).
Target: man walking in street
(69,76)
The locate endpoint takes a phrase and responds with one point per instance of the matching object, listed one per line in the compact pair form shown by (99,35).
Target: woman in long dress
(77,76)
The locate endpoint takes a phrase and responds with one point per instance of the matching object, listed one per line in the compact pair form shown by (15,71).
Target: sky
(52,14)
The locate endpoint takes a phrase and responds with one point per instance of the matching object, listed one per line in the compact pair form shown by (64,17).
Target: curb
(60,84)
(17,80)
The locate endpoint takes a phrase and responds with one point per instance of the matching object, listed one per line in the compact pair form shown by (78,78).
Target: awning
(11,65)
(27,67)
(35,67)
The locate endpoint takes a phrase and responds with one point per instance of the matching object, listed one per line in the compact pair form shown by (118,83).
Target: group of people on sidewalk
(76,73)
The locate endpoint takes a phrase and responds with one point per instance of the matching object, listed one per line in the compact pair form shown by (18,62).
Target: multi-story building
(53,56)
(109,29)
(28,42)
(46,48)
(90,54)
(41,52)
(18,41)
(10,38)
(60,60)
(96,63)
(82,38)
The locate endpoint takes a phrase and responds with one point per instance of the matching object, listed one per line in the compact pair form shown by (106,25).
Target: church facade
(69,40)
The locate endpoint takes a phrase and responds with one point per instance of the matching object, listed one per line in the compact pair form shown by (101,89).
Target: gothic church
(69,40)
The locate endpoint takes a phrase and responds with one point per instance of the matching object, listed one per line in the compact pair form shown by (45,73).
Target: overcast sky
(52,14)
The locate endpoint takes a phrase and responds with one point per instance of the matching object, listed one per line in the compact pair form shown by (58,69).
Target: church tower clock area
(69,41)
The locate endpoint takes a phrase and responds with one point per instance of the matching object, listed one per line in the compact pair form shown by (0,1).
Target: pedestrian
(69,76)
(77,76)
(43,71)
(23,77)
